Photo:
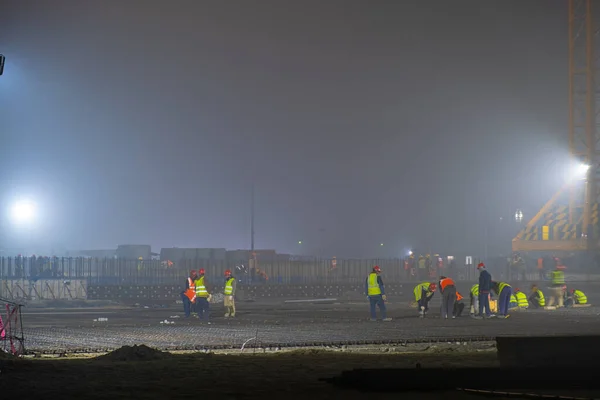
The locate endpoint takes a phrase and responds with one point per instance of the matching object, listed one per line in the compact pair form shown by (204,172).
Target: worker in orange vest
(188,296)
(459,306)
(448,291)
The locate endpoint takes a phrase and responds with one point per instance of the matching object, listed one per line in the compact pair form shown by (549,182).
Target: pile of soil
(135,353)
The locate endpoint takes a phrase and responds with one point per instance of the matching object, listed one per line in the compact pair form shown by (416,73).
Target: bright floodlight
(579,171)
(519,216)
(23,211)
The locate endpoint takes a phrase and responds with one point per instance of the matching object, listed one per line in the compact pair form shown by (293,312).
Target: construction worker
(459,306)
(485,286)
(521,298)
(188,295)
(536,298)
(474,296)
(229,293)
(423,294)
(556,289)
(513,302)
(422,268)
(503,290)
(576,297)
(448,291)
(376,294)
(202,297)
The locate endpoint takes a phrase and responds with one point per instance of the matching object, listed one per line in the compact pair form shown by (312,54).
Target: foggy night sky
(412,123)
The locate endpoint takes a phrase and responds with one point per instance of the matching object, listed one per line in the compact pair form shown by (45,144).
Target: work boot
(387,319)
(373,319)
(227,315)
(232,315)
(421,314)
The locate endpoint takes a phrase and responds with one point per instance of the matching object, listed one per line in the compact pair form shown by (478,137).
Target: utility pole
(252,220)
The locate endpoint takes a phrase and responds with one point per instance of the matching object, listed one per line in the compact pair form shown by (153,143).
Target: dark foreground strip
(265,345)
(519,394)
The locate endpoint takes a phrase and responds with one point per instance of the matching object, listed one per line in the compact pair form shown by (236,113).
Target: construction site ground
(276,324)
(339,332)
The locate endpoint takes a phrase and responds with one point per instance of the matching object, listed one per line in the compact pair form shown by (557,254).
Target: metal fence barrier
(113,271)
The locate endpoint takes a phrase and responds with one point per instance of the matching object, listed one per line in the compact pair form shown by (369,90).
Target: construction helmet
(480,265)
(376,268)
(192,273)
(201,271)
(228,273)
(432,287)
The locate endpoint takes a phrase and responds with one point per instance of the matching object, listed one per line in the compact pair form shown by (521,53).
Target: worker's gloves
(384,297)
(422,308)
(209,297)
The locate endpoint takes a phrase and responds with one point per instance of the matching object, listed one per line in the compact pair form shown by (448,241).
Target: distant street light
(23,212)
(299,241)
(519,216)
(381,244)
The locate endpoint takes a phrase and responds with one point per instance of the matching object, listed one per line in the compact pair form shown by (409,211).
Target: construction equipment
(569,220)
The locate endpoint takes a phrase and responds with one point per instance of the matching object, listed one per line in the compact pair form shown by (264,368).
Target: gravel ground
(275,324)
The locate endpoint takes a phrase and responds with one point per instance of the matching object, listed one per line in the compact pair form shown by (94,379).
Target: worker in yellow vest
(423,293)
(557,292)
(229,293)
(376,294)
(474,296)
(521,298)
(202,297)
(576,297)
(503,291)
(536,298)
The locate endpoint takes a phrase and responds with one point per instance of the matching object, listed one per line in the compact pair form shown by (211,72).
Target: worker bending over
(202,297)
(229,293)
(576,297)
(521,299)
(536,298)
(504,291)
(474,297)
(423,294)
(376,294)
(459,306)
(448,291)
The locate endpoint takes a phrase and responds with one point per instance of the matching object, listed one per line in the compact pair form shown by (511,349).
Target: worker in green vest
(423,293)
(521,298)
(376,294)
(576,297)
(229,293)
(536,298)
(474,295)
(202,297)
(557,287)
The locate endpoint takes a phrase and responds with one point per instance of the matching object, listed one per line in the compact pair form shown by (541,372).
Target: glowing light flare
(23,212)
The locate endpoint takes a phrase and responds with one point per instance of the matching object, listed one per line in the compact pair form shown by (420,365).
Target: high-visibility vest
(580,297)
(458,296)
(501,286)
(446,282)
(558,278)
(190,292)
(419,290)
(522,299)
(373,285)
(513,299)
(475,290)
(200,288)
(229,287)
(542,299)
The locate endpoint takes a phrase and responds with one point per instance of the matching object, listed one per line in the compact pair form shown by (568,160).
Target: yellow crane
(569,220)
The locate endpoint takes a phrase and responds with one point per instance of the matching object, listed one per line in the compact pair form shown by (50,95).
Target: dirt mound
(135,353)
